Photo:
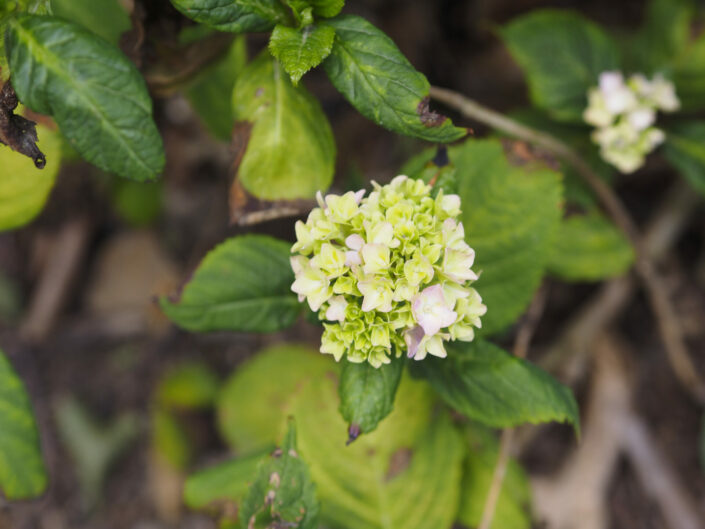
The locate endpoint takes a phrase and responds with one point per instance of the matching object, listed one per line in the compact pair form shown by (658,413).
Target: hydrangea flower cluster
(389,273)
(624,114)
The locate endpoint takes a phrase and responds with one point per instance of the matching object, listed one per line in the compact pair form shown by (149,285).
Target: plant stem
(520,350)
(666,317)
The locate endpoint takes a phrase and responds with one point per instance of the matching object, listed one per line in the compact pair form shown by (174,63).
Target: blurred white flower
(624,114)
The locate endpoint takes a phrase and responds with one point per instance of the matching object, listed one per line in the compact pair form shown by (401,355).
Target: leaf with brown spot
(17,132)
(368,68)
(429,118)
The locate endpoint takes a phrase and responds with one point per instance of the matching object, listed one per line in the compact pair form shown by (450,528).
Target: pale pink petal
(413,338)
(352,258)
(354,241)
(431,310)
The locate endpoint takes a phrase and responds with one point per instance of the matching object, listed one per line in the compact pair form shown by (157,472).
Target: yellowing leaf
(23,188)
(404,475)
(291,152)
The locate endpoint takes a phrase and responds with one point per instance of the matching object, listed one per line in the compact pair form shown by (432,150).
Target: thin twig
(500,470)
(666,317)
(48,298)
(520,349)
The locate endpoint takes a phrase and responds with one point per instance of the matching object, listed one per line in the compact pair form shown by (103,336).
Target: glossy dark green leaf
(300,49)
(685,149)
(589,248)
(7,9)
(487,384)
(242,285)
(367,394)
(282,494)
(94,93)
(375,77)
(22,472)
(234,15)
(562,55)
(291,151)
(107,18)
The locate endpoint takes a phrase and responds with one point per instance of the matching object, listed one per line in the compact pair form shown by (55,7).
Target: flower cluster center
(387,273)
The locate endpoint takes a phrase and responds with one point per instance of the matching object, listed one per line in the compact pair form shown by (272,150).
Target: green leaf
(384,479)
(9,7)
(689,75)
(211,91)
(662,37)
(237,16)
(510,216)
(375,77)
(291,151)
(685,149)
(191,385)
(562,55)
(93,91)
(282,494)
(589,248)
(299,50)
(22,472)
(404,475)
(489,385)
(326,8)
(106,18)
(512,510)
(244,284)
(367,394)
(253,402)
(24,189)
(224,482)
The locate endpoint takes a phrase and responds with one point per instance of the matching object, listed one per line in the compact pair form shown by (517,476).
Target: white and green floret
(388,274)
(624,113)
